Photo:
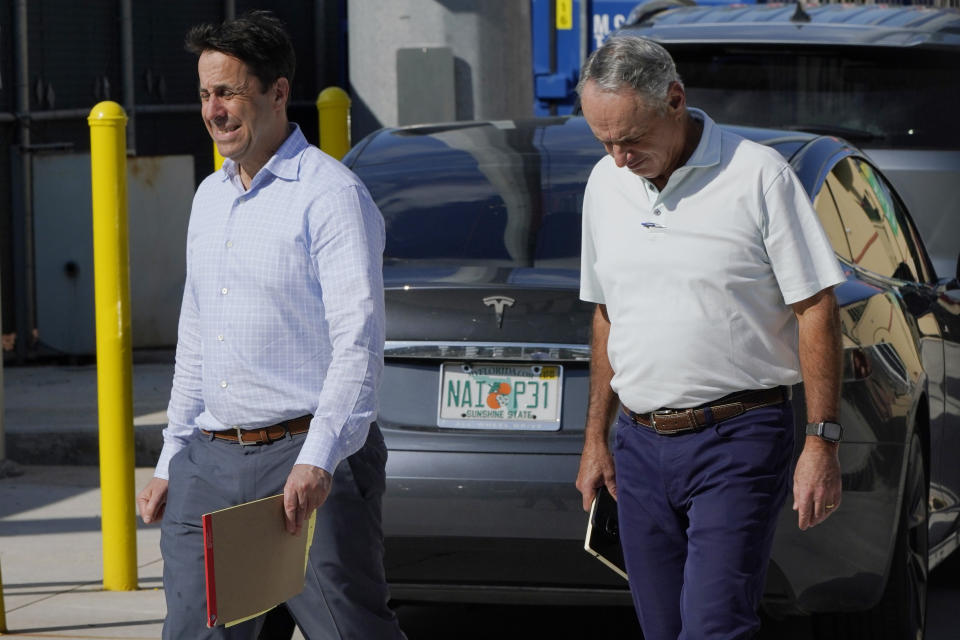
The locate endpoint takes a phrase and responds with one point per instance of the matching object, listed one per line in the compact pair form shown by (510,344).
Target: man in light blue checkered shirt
(279,352)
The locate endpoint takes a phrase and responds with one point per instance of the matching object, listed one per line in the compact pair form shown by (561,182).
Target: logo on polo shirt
(652,225)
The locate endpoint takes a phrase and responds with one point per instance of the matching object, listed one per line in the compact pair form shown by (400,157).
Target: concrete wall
(490,45)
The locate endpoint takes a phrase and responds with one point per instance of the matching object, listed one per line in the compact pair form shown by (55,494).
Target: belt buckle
(240,438)
(653,420)
(691,421)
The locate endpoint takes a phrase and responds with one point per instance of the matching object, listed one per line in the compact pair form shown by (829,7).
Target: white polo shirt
(697,278)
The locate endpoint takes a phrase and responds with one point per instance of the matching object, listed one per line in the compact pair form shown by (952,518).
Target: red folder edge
(208,570)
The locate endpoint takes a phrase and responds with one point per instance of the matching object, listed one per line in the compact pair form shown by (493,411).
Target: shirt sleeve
(800,253)
(590,289)
(186,397)
(347,240)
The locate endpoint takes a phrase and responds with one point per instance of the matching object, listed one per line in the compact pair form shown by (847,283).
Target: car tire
(902,611)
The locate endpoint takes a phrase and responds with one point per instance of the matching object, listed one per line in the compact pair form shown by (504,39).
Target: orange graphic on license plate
(499,396)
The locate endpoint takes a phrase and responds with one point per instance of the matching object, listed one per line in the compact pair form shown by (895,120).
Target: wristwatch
(829,431)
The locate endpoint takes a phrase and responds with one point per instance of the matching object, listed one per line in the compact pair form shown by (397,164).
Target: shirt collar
(284,164)
(707,152)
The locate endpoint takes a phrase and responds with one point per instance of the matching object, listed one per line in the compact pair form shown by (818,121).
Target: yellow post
(3,610)
(217,158)
(333,107)
(111,265)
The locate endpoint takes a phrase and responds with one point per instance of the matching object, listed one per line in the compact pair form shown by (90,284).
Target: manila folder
(252,564)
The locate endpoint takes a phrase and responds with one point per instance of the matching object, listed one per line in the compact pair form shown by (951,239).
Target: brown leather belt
(673,421)
(263,435)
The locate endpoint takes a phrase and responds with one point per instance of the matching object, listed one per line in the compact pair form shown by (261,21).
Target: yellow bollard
(3,610)
(111,264)
(217,158)
(333,107)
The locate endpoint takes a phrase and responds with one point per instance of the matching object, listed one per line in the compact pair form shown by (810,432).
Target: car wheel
(902,610)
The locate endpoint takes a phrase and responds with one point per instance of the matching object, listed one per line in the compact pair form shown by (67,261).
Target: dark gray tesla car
(485,387)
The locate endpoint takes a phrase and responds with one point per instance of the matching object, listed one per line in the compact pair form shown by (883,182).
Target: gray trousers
(345,594)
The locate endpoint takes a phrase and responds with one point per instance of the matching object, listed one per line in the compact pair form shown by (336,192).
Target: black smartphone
(603,533)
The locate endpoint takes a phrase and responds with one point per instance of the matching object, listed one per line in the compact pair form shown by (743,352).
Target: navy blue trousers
(697,514)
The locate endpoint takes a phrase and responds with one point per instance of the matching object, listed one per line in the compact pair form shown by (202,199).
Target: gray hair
(631,62)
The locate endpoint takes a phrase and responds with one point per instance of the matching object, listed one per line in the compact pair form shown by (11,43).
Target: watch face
(830,431)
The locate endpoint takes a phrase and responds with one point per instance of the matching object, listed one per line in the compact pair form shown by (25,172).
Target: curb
(79,448)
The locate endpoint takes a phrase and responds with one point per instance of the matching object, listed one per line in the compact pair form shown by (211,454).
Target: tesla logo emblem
(498,303)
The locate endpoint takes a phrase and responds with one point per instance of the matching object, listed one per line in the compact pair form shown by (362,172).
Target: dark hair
(257,38)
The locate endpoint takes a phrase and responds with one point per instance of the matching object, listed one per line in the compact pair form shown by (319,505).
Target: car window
(508,212)
(878,235)
(913,249)
(483,194)
(859,93)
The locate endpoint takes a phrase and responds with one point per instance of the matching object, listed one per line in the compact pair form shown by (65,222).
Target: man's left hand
(816,482)
(306,489)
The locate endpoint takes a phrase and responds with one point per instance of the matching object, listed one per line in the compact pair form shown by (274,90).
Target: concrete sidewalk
(51,555)
(52,560)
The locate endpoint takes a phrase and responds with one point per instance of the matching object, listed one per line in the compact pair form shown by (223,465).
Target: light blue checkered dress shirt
(283,306)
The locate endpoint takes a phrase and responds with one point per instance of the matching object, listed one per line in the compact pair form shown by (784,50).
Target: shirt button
(656,212)
(229,243)
(223,384)
(223,291)
(220,338)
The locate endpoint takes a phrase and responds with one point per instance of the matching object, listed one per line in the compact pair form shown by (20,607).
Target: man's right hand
(152,500)
(596,470)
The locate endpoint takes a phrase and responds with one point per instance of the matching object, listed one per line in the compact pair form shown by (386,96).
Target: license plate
(500,396)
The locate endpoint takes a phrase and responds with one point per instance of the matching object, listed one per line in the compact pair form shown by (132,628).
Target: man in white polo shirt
(713,283)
